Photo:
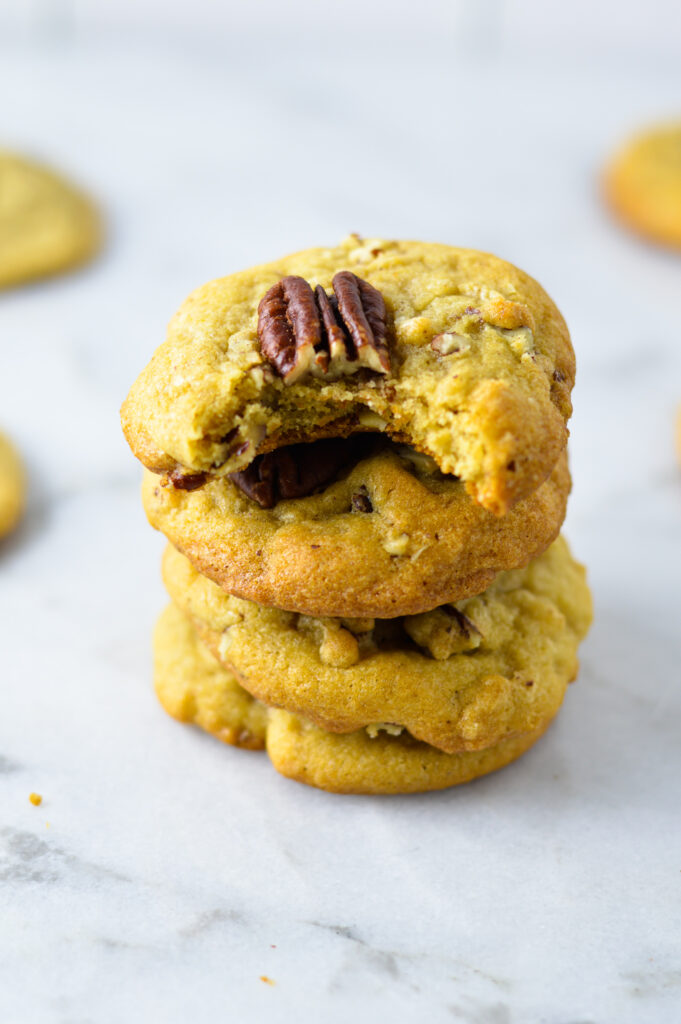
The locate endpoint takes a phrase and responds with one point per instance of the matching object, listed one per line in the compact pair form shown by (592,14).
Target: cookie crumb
(268,981)
(36,799)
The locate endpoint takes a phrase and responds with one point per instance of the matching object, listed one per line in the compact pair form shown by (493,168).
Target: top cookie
(455,352)
(46,225)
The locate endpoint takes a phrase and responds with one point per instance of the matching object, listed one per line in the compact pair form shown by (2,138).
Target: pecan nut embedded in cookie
(187,481)
(295,471)
(303,332)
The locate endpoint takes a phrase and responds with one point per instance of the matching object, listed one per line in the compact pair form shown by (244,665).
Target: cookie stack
(358,455)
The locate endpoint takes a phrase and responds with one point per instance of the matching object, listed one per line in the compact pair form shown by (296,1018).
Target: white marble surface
(163,874)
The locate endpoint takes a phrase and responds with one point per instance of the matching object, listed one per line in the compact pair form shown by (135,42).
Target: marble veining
(24,858)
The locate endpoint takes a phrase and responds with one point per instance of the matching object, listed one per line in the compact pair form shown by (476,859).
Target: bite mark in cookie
(490,409)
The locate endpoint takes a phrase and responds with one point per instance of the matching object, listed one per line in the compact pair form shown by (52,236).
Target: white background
(164,874)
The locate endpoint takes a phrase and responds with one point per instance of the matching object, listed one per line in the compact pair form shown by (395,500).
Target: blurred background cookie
(46,224)
(643,184)
(12,486)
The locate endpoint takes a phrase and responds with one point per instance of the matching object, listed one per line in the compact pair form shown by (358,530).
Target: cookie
(462,677)
(193,687)
(46,225)
(392,536)
(12,486)
(356,763)
(643,184)
(455,352)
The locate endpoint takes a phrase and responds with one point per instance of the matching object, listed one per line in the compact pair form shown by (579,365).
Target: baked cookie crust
(46,224)
(356,763)
(461,678)
(480,377)
(390,537)
(193,687)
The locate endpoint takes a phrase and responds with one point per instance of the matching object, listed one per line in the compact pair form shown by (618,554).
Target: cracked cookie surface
(393,536)
(12,486)
(192,686)
(459,678)
(481,370)
(46,224)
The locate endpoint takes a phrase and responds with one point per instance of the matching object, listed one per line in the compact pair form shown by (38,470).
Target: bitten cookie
(193,687)
(643,184)
(12,486)
(46,225)
(392,536)
(462,677)
(455,352)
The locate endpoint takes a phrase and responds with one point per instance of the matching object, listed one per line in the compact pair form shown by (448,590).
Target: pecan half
(363,311)
(289,328)
(304,332)
(295,471)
